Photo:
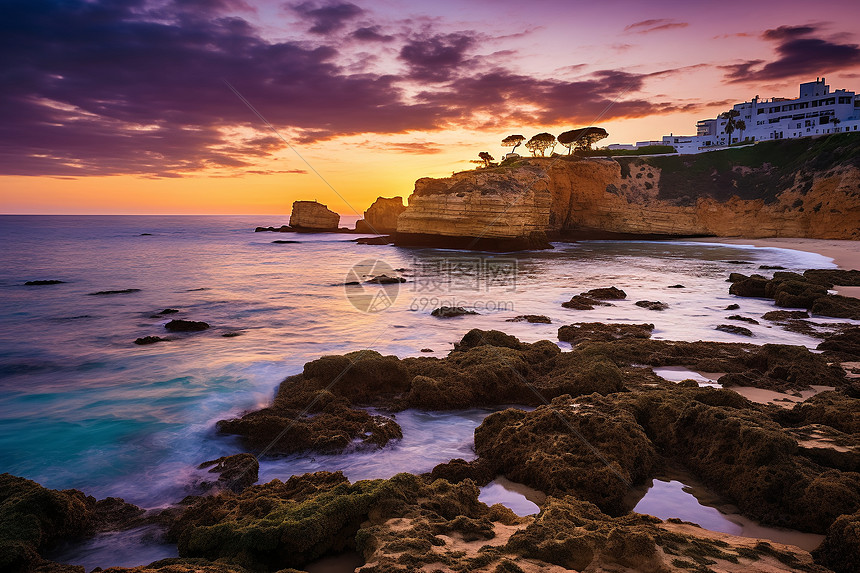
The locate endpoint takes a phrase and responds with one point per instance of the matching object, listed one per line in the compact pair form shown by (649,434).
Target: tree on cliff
(582,138)
(540,142)
(514,140)
(486,158)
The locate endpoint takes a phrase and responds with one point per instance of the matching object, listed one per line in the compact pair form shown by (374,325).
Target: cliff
(310,215)
(795,188)
(381,217)
(505,209)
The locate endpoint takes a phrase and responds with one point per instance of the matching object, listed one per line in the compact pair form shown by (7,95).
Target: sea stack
(313,216)
(381,217)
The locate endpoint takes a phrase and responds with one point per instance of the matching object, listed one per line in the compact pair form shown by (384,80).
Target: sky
(241,107)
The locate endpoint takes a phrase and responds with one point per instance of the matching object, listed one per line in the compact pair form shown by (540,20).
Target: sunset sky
(123,106)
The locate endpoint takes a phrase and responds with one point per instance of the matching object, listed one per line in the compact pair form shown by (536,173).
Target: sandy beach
(845,254)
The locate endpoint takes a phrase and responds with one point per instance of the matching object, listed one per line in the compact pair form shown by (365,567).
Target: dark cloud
(787,32)
(99,87)
(371,34)
(328,17)
(436,58)
(797,55)
(656,25)
(509,97)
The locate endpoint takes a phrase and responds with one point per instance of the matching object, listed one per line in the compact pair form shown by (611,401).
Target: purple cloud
(99,87)
(654,25)
(328,17)
(436,58)
(798,55)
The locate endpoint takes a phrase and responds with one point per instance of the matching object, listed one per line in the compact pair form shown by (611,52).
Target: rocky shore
(592,425)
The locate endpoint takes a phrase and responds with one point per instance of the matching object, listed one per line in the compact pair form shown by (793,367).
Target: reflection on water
(519,498)
(679,374)
(668,499)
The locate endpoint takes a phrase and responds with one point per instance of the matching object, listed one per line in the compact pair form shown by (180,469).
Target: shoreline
(845,253)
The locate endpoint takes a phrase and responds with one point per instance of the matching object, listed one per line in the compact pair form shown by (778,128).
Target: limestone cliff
(381,217)
(489,208)
(310,215)
(799,188)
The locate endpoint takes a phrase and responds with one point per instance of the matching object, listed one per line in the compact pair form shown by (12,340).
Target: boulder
(580,302)
(313,216)
(179,325)
(532,318)
(111,292)
(610,293)
(597,331)
(385,280)
(235,472)
(743,318)
(841,545)
(733,329)
(451,311)
(652,304)
(149,340)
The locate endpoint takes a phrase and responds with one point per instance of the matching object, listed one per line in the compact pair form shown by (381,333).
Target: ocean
(82,406)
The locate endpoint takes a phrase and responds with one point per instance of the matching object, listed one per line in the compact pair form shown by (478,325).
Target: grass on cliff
(759,171)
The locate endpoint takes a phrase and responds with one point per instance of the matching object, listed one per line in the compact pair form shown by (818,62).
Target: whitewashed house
(817,111)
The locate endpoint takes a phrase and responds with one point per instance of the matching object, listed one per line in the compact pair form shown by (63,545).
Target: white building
(817,111)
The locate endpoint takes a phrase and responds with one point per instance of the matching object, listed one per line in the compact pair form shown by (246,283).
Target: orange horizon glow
(465,82)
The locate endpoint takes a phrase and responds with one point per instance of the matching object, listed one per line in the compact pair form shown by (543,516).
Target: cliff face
(381,217)
(313,215)
(799,188)
(487,207)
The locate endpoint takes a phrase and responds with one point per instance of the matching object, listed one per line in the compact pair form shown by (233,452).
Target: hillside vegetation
(760,171)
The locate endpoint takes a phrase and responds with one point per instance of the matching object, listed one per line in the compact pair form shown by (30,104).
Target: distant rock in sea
(652,304)
(451,311)
(178,325)
(44,282)
(381,216)
(110,292)
(732,329)
(532,318)
(313,216)
(149,340)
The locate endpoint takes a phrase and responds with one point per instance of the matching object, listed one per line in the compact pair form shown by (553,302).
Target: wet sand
(845,254)
(762,396)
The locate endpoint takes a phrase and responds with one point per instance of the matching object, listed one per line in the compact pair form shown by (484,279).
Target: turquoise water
(82,406)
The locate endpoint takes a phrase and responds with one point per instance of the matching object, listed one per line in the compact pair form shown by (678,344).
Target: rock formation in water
(797,188)
(33,519)
(311,215)
(381,217)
